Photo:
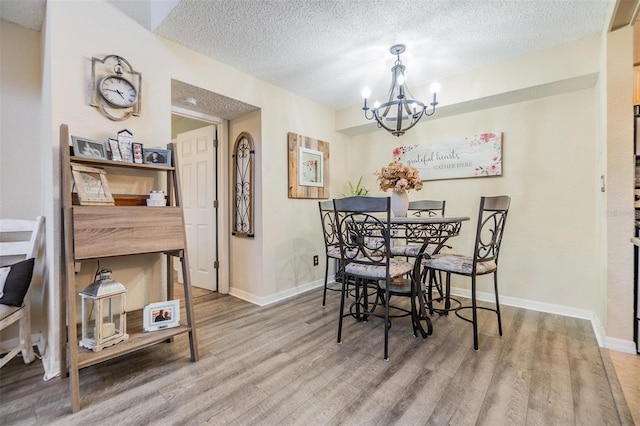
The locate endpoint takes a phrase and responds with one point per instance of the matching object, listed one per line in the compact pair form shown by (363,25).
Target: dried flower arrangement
(399,177)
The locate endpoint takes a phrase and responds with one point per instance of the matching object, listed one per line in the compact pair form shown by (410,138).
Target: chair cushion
(458,264)
(335,253)
(397,268)
(410,250)
(17,283)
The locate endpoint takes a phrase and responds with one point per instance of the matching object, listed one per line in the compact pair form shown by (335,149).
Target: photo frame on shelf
(125,140)
(310,167)
(91,185)
(159,157)
(136,149)
(161,315)
(87,148)
(115,150)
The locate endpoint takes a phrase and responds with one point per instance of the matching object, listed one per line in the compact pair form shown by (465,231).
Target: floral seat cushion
(397,268)
(458,263)
(410,250)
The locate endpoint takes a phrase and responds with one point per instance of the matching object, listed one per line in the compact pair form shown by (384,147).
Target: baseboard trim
(620,345)
(36,340)
(263,301)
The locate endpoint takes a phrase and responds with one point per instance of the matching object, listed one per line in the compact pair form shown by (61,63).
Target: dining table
(432,233)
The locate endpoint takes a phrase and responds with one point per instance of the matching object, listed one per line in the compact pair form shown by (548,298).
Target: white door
(196,160)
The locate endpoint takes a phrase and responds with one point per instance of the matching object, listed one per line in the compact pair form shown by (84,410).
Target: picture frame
(310,167)
(115,150)
(159,157)
(136,149)
(161,315)
(312,155)
(91,185)
(125,141)
(88,148)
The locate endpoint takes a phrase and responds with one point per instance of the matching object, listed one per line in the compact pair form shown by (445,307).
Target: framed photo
(83,147)
(136,148)
(115,150)
(310,167)
(160,157)
(91,185)
(161,315)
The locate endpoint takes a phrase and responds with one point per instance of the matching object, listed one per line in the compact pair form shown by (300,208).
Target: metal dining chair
(492,216)
(364,230)
(331,244)
(412,244)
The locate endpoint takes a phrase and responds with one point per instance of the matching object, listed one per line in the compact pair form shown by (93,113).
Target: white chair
(19,241)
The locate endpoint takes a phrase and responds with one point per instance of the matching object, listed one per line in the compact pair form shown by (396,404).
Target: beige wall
(620,182)
(159,61)
(20,170)
(20,79)
(549,253)
(246,254)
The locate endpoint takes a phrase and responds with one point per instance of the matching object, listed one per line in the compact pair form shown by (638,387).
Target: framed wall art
(308,167)
(161,315)
(243,183)
(91,185)
(478,155)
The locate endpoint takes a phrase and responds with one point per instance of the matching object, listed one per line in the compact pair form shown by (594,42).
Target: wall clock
(115,87)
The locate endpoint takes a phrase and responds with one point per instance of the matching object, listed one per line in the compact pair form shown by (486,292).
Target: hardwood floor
(627,368)
(280,364)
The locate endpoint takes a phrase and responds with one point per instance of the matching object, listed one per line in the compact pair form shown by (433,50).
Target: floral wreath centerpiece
(399,177)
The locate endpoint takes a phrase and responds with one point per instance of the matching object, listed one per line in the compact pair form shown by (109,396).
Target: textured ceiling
(327,50)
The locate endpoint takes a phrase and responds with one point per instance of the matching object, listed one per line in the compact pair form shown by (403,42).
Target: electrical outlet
(315,260)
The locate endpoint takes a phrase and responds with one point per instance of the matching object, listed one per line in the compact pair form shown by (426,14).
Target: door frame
(222,190)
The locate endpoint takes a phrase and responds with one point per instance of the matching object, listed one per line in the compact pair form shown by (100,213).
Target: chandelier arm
(399,117)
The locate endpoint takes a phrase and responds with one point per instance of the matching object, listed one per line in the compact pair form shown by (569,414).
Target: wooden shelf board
(111,163)
(137,340)
(107,231)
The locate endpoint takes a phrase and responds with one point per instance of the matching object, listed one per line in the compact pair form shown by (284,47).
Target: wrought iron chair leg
(447,299)
(386,323)
(474,313)
(344,289)
(495,286)
(326,273)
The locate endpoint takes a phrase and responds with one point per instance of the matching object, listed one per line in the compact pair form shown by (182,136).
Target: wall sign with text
(472,156)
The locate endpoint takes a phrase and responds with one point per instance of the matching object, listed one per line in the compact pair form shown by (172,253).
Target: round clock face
(118,91)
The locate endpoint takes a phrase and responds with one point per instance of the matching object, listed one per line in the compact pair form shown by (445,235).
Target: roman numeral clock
(115,87)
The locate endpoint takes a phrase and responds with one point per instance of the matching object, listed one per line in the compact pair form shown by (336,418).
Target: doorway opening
(196,144)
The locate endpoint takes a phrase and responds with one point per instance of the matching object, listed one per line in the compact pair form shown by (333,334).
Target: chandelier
(399,113)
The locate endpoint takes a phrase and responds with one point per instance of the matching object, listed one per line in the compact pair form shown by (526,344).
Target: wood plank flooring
(280,365)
